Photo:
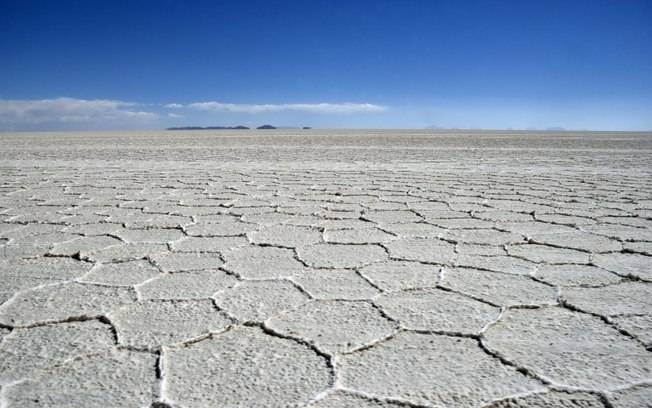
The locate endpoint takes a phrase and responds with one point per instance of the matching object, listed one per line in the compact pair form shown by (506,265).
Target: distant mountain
(555,128)
(208,128)
(263,127)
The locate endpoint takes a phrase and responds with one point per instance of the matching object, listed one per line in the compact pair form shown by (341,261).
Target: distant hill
(263,127)
(208,128)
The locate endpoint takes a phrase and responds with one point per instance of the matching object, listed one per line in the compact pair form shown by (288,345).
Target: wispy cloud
(301,107)
(173,106)
(70,112)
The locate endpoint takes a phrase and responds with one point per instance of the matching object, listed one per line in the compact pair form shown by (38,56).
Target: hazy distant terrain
(542,150)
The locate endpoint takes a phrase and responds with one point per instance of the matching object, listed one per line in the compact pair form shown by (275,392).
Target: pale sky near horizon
(91,65)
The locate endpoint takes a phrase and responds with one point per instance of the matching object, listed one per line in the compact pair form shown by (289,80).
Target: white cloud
(173,106)
(70,112)
(174,115)
(302,107)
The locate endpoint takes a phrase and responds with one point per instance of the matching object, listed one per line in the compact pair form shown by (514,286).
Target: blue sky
(378,63)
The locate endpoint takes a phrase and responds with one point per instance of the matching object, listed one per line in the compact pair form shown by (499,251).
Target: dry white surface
(326,269)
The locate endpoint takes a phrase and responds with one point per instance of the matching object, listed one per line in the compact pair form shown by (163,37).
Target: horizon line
(307,129)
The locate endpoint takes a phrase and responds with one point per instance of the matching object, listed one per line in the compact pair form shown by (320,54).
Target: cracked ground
(326,269)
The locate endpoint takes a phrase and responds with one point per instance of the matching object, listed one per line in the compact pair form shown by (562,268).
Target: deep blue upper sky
(377,63)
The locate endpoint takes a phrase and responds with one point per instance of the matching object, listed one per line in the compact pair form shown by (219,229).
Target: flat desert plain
(326,269)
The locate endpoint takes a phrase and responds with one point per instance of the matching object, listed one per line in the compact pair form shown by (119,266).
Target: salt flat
(326,269)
